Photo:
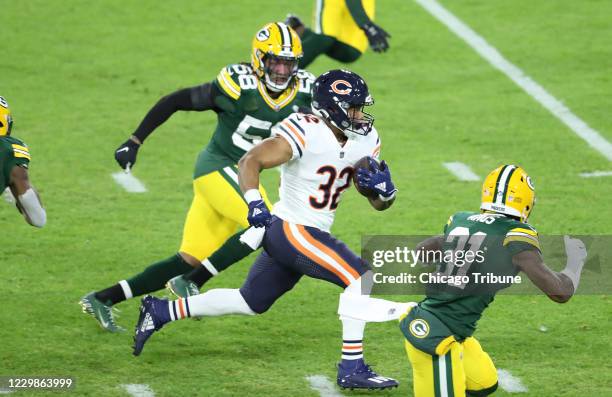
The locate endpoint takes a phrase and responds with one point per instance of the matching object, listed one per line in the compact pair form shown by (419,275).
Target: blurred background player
(317,156)
(14,162)
(248,100)
(446,359)
(342,31)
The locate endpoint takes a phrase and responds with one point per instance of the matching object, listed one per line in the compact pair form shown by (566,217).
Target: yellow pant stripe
(464,366)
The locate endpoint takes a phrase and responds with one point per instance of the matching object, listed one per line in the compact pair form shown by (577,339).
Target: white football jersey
(320,171)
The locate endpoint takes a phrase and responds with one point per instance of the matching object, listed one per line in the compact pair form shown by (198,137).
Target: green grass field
(79,77)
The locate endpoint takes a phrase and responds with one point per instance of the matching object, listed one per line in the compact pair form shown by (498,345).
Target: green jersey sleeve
(521,237)
(12,152)
(229,82)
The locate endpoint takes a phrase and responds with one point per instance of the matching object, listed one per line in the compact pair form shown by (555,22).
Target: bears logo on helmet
(342,91)
(335,93)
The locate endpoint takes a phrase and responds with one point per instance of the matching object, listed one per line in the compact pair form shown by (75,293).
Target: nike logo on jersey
(381,186)
(147,324)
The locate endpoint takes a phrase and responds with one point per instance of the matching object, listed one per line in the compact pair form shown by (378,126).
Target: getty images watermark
(462,260)
(475,265)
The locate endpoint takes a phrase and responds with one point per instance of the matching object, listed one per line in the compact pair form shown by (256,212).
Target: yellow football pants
(464,367)
(217,211)
(333,18)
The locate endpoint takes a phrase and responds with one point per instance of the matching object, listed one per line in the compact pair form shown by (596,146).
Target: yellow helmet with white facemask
(274,44)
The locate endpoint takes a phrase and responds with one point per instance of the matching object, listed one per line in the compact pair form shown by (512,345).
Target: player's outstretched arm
(197,98)
(559,286)
(26,198)
(269,153)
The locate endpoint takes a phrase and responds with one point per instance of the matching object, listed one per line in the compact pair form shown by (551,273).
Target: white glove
(576,256)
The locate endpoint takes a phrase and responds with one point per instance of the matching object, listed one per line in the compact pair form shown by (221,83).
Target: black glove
(376,36)
(126,154)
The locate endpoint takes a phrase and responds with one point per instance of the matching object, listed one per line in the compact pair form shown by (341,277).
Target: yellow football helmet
(281,46)
(6,121)
(508,190)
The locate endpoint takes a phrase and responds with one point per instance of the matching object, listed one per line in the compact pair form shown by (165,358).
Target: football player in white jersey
(317,154)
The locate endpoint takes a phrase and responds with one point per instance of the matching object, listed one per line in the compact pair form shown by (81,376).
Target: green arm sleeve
(357,12)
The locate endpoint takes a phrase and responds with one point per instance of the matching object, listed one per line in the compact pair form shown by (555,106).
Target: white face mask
(278,72)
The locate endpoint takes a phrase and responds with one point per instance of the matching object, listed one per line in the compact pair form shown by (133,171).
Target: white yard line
(596,174)
(129,182)
(138,390)
(323,386)
(509,382)
(496,59)
(461,171)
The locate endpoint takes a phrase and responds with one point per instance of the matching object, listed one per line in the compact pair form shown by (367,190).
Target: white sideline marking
(5,391)
(596,174)
(461,171)
(496,59)
(509,382)
(138,390)
(129,182)
(323,385)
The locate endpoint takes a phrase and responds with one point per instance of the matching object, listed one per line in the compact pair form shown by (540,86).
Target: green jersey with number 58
(482,246)
(247,114)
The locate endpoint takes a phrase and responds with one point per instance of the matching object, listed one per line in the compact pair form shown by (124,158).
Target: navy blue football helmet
(334,93)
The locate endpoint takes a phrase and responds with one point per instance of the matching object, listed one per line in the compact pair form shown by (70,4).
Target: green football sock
(232,251)
(154,277)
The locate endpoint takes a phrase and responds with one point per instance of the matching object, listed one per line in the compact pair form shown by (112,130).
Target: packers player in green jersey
(248,98)
(14,179)
(446,359)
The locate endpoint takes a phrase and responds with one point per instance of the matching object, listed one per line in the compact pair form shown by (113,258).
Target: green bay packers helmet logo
(341,87)
(263,34)
(3,102)
(530,183)
(419,328)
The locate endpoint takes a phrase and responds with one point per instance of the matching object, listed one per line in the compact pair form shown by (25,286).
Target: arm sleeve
(197,98)
(521,239)
(357,12)
(17,155)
